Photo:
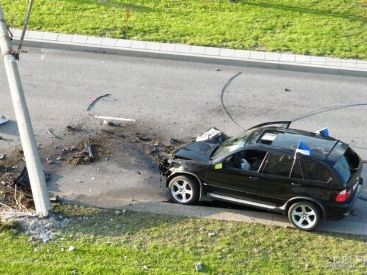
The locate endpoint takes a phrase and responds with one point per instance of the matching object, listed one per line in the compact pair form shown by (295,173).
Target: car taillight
(343,196)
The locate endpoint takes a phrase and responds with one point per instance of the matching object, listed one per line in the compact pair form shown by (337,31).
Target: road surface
(178,99)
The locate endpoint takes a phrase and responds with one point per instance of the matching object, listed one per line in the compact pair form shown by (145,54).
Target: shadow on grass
(302,9)
(106,223)
(114,4)
(293,8)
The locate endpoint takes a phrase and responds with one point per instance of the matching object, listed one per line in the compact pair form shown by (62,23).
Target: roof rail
(286,122)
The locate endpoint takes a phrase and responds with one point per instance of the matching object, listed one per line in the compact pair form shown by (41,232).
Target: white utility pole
(32,158)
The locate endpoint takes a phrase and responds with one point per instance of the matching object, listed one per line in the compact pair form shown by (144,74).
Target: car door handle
(253,178)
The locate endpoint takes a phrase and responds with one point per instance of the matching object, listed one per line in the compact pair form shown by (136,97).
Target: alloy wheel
(304,216)
(181,191)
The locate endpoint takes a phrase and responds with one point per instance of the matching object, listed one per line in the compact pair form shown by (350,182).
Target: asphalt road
(178,99)
(182,98)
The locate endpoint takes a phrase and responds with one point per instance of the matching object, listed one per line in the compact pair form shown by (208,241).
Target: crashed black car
(261,168)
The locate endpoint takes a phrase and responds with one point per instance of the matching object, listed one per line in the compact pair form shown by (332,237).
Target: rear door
(280,178)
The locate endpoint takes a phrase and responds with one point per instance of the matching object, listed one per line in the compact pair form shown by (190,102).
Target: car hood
(199,151)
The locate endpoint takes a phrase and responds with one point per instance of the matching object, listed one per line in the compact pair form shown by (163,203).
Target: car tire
(184,190)
(304,215)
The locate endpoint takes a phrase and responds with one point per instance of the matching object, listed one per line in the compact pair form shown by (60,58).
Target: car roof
(287,139)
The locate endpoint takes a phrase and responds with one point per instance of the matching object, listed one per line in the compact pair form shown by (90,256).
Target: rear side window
(316,171)
(343,168)
(347,165)
(281,165)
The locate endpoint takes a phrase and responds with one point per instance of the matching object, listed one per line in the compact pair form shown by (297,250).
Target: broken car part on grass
(305,175)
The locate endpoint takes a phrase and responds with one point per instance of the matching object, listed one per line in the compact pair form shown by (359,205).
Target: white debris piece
(198,266)
(71,248)
(211,133)
(211,234)
(108,118)
(3,119)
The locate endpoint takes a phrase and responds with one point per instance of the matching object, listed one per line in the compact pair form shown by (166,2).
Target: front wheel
(184,190)
(304,215)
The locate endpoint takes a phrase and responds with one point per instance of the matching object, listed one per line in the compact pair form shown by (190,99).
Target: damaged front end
(190,157)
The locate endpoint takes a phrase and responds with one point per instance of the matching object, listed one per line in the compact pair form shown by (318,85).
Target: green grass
(110,244)
(329,27)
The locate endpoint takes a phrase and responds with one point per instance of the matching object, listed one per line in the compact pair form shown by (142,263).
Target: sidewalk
(285,61)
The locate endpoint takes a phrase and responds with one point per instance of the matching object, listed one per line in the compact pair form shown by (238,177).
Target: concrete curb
(183,52)
(216,213)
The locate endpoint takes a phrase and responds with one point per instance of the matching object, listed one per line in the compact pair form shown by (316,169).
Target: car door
(230,178)
(280,178)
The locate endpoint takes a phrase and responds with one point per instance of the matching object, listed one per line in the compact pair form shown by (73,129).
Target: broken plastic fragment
(3,119)
(212,134)
(107,118)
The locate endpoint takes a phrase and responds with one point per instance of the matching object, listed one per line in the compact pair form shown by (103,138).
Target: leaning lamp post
(31,154)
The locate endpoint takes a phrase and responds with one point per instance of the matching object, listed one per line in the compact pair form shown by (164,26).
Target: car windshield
(231,144)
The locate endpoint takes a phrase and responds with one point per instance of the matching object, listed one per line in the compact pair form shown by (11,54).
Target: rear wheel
(184,190)
(304,215)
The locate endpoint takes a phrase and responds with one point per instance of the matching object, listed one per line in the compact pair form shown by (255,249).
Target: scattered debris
(70,128)
(84,153)
(145,267)
(109,123)
(94,102)
(117,212)
(43,229)
(198,266)
(143,137)
(211,234)
(287,90)
(55,198)
(108,118)
(3,119)
(89,149)
(213,134)
(2,157)
(71,248)
(217,70)
(174,141)
(23,179)
(51,133)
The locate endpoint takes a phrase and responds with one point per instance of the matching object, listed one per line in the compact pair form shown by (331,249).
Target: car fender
(178,173)
(299,198)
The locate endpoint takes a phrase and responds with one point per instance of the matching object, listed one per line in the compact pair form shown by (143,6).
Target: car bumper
(337,211)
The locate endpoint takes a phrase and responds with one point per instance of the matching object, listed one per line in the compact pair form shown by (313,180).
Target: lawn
(329,27)
(139,243)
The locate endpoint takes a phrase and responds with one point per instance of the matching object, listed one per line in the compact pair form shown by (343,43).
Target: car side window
(247,160)
(281,164)
(316,171)
(297,170)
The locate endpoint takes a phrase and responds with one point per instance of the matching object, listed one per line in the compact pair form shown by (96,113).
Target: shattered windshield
(231,145)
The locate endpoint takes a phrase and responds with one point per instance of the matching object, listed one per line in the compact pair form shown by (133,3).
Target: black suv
(261,168)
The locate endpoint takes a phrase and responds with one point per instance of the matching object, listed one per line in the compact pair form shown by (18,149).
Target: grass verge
(330,27)
(139,243)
